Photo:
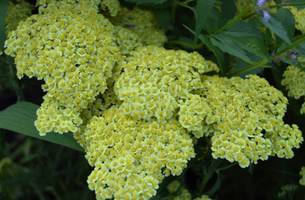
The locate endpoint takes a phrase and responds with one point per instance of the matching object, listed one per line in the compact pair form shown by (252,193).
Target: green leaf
(3,10)
(20,118)
(252,44)
(139,2)
(201,13)
(268,37)
(215,21)
(241,28)
(228,8)
(163,19)
(217,52)
(285,16)
(226,44)
(275,26)
(243,65)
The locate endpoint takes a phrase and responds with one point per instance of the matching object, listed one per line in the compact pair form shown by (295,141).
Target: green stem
(293,4)
(259,64)
(226,167)
(207,177)
(173,12)
(296,43)
(15,81)
(185,44)
(234,20)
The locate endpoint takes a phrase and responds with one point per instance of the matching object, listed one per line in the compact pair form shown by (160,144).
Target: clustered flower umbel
(294,82)
(136,107)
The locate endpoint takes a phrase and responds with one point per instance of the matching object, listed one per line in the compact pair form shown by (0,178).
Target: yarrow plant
(152,98)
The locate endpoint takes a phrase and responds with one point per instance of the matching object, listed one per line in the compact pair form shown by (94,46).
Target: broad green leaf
(138,2)
(20,118)
(241,28)
(268,37)
(228,8)
(252,44)
(275,26)
(163,19)
(217,52)
(3,10)
(284,15)
(226,44)
(215,21)
(201,13)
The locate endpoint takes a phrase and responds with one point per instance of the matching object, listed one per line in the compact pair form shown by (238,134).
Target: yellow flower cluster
(294,82)
(302,173)
(299,16)
(154,79)
(115,127)
(249,125)
(130,156)
(184,194)
(112,6)
(73,54)
(135,106)
(141,22)
(17,13)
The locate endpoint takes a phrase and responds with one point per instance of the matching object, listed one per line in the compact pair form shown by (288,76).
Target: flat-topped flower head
(72,49)
(154,79)
(133,156)
(249,126)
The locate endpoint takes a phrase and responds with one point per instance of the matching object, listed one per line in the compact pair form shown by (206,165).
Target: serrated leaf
(201,13)
(216,186)
(241,28)
(3,10)
(214,21)
(139,2)
(252,44)
(217,52)
(285,16)
(275,26)
(226,44)
(20,118)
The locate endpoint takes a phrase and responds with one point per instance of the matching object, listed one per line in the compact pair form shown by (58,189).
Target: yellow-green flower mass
(135,107)
(246,123)
(294,82)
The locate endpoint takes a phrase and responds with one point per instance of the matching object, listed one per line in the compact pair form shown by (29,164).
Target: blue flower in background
(263,10)
(266,15)
(260,2)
